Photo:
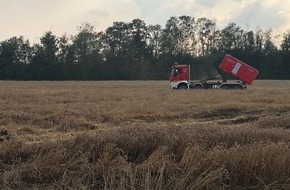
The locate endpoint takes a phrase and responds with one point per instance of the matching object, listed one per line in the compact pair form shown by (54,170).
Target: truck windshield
(176,71)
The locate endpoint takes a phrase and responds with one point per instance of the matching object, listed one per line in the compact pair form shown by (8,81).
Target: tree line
(137,51)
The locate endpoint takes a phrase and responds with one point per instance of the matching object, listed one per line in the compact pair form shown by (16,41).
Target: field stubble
(142,135)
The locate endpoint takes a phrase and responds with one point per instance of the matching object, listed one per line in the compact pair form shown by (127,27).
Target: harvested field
(143,135)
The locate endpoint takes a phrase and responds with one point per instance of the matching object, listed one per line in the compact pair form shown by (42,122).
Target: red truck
(245,74)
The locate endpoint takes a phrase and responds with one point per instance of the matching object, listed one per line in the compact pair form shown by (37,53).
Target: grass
(142,135)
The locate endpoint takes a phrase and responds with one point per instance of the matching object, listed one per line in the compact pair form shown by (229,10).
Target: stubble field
(143,135)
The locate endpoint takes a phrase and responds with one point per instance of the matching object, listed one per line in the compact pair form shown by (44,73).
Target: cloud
(32,18)
(206,3)
(266,14)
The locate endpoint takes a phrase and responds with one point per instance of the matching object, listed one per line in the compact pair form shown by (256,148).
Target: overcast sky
(32,18)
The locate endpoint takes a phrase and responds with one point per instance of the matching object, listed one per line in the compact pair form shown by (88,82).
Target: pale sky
(32,18)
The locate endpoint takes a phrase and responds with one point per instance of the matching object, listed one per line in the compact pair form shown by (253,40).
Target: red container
(238,69)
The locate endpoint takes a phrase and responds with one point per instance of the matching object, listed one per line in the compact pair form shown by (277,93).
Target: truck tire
(225,87)
(182,87)
(197,87)
(237,87)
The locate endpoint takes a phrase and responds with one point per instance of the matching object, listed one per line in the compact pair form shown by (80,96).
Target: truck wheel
(225,87)
(182,87)
(237,87)
(197,87)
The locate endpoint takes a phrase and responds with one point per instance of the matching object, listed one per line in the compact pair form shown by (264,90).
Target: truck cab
(179,77)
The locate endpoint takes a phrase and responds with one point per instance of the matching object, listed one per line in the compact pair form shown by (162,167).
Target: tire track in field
(208,118)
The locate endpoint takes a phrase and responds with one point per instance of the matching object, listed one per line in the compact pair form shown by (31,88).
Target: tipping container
(238,69)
